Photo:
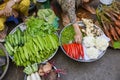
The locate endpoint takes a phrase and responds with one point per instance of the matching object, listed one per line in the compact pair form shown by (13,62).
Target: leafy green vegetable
(67,34)
(31,69)
(35,67)
(116,44)
(28,70)
(49,16)
(36,44)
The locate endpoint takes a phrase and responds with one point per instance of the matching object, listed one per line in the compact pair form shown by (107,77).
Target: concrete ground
(106,68)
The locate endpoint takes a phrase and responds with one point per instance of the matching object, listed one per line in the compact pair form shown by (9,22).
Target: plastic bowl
(7,61)
(80,60)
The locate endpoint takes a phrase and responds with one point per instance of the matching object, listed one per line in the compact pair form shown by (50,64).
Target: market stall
(27,56)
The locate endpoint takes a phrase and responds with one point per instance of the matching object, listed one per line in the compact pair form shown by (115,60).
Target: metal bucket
(7,61)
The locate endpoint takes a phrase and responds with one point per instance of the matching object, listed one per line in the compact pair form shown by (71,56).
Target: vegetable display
(32,73)
(49,16)
(67,35)
(37,43)
(109,19)
(74,50)
(94,42)
(43,71)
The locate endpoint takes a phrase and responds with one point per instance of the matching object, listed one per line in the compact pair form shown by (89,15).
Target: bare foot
(89,8)
(15,13)
(3,34)
(65,19)
(23,17)
(85,1)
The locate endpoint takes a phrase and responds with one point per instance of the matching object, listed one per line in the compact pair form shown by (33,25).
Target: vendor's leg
(15,13)
(89,8)
(67,7)
(2,6)
(24,8)
(65,19)
(3,29)
(86,1)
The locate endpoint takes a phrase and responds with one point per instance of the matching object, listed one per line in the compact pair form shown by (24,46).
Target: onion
(47,67)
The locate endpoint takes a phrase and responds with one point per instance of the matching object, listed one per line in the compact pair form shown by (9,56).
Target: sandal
(65,19)
(89,8)
(3,34)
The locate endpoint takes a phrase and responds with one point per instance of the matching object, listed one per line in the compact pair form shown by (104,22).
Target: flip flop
(3,34)
(65,19)
(89,8)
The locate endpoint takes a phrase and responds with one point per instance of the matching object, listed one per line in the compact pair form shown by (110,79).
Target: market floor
(107,68)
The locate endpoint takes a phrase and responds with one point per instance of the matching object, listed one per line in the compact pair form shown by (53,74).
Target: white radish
(29,77)
(33,76)
(37,76)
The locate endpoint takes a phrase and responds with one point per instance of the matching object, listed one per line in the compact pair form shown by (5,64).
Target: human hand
(7,11)
(78,34)
(85,1)
(15,13)
(8,8)
(78,38)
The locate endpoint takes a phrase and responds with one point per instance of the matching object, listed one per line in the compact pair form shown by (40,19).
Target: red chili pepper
(82,51)
(64,46)
(72,50)
(75,49)
(78,50)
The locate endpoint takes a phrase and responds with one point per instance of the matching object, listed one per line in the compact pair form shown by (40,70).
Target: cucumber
(8,50)
(9,46)
(37,43)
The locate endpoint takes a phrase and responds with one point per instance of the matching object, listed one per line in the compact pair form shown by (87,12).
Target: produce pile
(95,42)
(37,43)
(93,45)
(74,50)
(109,19)
(41,72)
(49,16)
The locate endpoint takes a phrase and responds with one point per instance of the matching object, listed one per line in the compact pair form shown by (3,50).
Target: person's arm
(10,3)
(73,20)
(8,7)
(1,12)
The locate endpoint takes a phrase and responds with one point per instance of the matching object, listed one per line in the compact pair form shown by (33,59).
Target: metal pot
(7,61)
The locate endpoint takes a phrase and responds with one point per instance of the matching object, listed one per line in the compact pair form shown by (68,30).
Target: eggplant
(1,71)
(2,60)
